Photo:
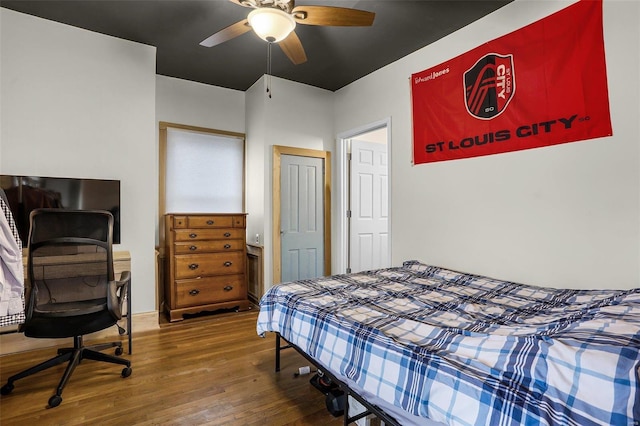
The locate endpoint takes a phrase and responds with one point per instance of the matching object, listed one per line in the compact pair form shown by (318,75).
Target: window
(201,170)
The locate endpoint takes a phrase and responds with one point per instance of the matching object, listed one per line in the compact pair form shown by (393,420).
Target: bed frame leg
(346,408)
(277,352)
(278,349)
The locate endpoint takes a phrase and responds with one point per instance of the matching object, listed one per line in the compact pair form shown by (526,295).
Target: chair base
(73,356)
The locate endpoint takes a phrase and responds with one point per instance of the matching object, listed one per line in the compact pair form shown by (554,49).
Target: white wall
(296,115)
(196,104)
(566,216)
(80,104)
(257,163)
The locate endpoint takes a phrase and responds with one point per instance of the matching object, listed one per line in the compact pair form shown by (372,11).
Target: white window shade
(204,173)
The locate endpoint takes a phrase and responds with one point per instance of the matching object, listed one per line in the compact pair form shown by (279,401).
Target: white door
(369,204)
(301,217)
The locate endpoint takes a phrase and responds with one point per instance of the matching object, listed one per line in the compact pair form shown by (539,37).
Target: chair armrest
(117,294)
(125,278)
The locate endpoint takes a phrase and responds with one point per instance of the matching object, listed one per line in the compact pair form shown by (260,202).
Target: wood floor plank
(210,370)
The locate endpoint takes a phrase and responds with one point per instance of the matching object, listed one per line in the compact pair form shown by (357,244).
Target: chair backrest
(70,261)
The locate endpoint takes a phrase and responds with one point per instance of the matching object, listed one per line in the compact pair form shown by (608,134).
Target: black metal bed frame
(369,408)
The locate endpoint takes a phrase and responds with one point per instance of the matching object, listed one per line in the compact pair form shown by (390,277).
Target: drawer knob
(227,234)
(227,263)
(194,292)
(193,235)
(209,222)
(227,246)
(193,266)
(228,288)
(192,248)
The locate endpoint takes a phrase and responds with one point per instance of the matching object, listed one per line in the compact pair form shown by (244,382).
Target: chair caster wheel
(119,350)
(126,372)
(6,389)
(54,401)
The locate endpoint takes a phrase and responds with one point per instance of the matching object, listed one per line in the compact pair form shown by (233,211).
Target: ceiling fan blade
(240,3)
(228,33)
(332,16)
(292,47)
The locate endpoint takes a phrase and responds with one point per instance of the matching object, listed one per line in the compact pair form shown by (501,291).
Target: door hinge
(349,214)
(348,270)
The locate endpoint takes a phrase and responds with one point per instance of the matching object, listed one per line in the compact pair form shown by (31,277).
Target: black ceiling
(336,56)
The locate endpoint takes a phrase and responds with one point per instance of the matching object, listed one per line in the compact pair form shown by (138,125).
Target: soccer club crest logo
(489,86)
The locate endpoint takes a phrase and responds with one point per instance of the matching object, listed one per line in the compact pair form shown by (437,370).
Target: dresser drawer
(209,290)
(199,246)
(209,221)
(208,234)
(205,265)
(202,265)
(179,221)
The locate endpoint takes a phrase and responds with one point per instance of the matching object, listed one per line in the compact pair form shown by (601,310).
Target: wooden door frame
(343,188)
(278,151)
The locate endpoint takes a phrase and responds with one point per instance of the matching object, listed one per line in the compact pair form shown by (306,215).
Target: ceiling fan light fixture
(270,24)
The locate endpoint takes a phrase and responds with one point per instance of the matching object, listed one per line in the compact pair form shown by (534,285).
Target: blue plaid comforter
(466,349)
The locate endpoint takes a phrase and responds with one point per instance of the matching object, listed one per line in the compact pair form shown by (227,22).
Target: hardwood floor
(211,370)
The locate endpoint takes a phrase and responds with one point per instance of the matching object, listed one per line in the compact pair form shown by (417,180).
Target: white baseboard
(17,342)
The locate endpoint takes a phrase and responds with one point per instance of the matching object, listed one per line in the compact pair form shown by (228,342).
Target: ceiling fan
(275,20)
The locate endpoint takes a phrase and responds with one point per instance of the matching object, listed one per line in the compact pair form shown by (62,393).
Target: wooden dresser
(206,263)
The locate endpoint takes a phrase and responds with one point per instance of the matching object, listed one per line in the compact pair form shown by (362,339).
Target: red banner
(544,84)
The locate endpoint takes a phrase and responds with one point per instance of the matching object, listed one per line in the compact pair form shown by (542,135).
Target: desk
(121,262)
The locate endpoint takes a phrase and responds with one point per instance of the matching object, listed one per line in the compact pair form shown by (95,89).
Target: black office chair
(72,288)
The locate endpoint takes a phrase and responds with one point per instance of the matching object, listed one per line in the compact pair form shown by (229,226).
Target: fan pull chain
(269,69)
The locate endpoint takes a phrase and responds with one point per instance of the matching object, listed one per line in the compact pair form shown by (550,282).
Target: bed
(422,345)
